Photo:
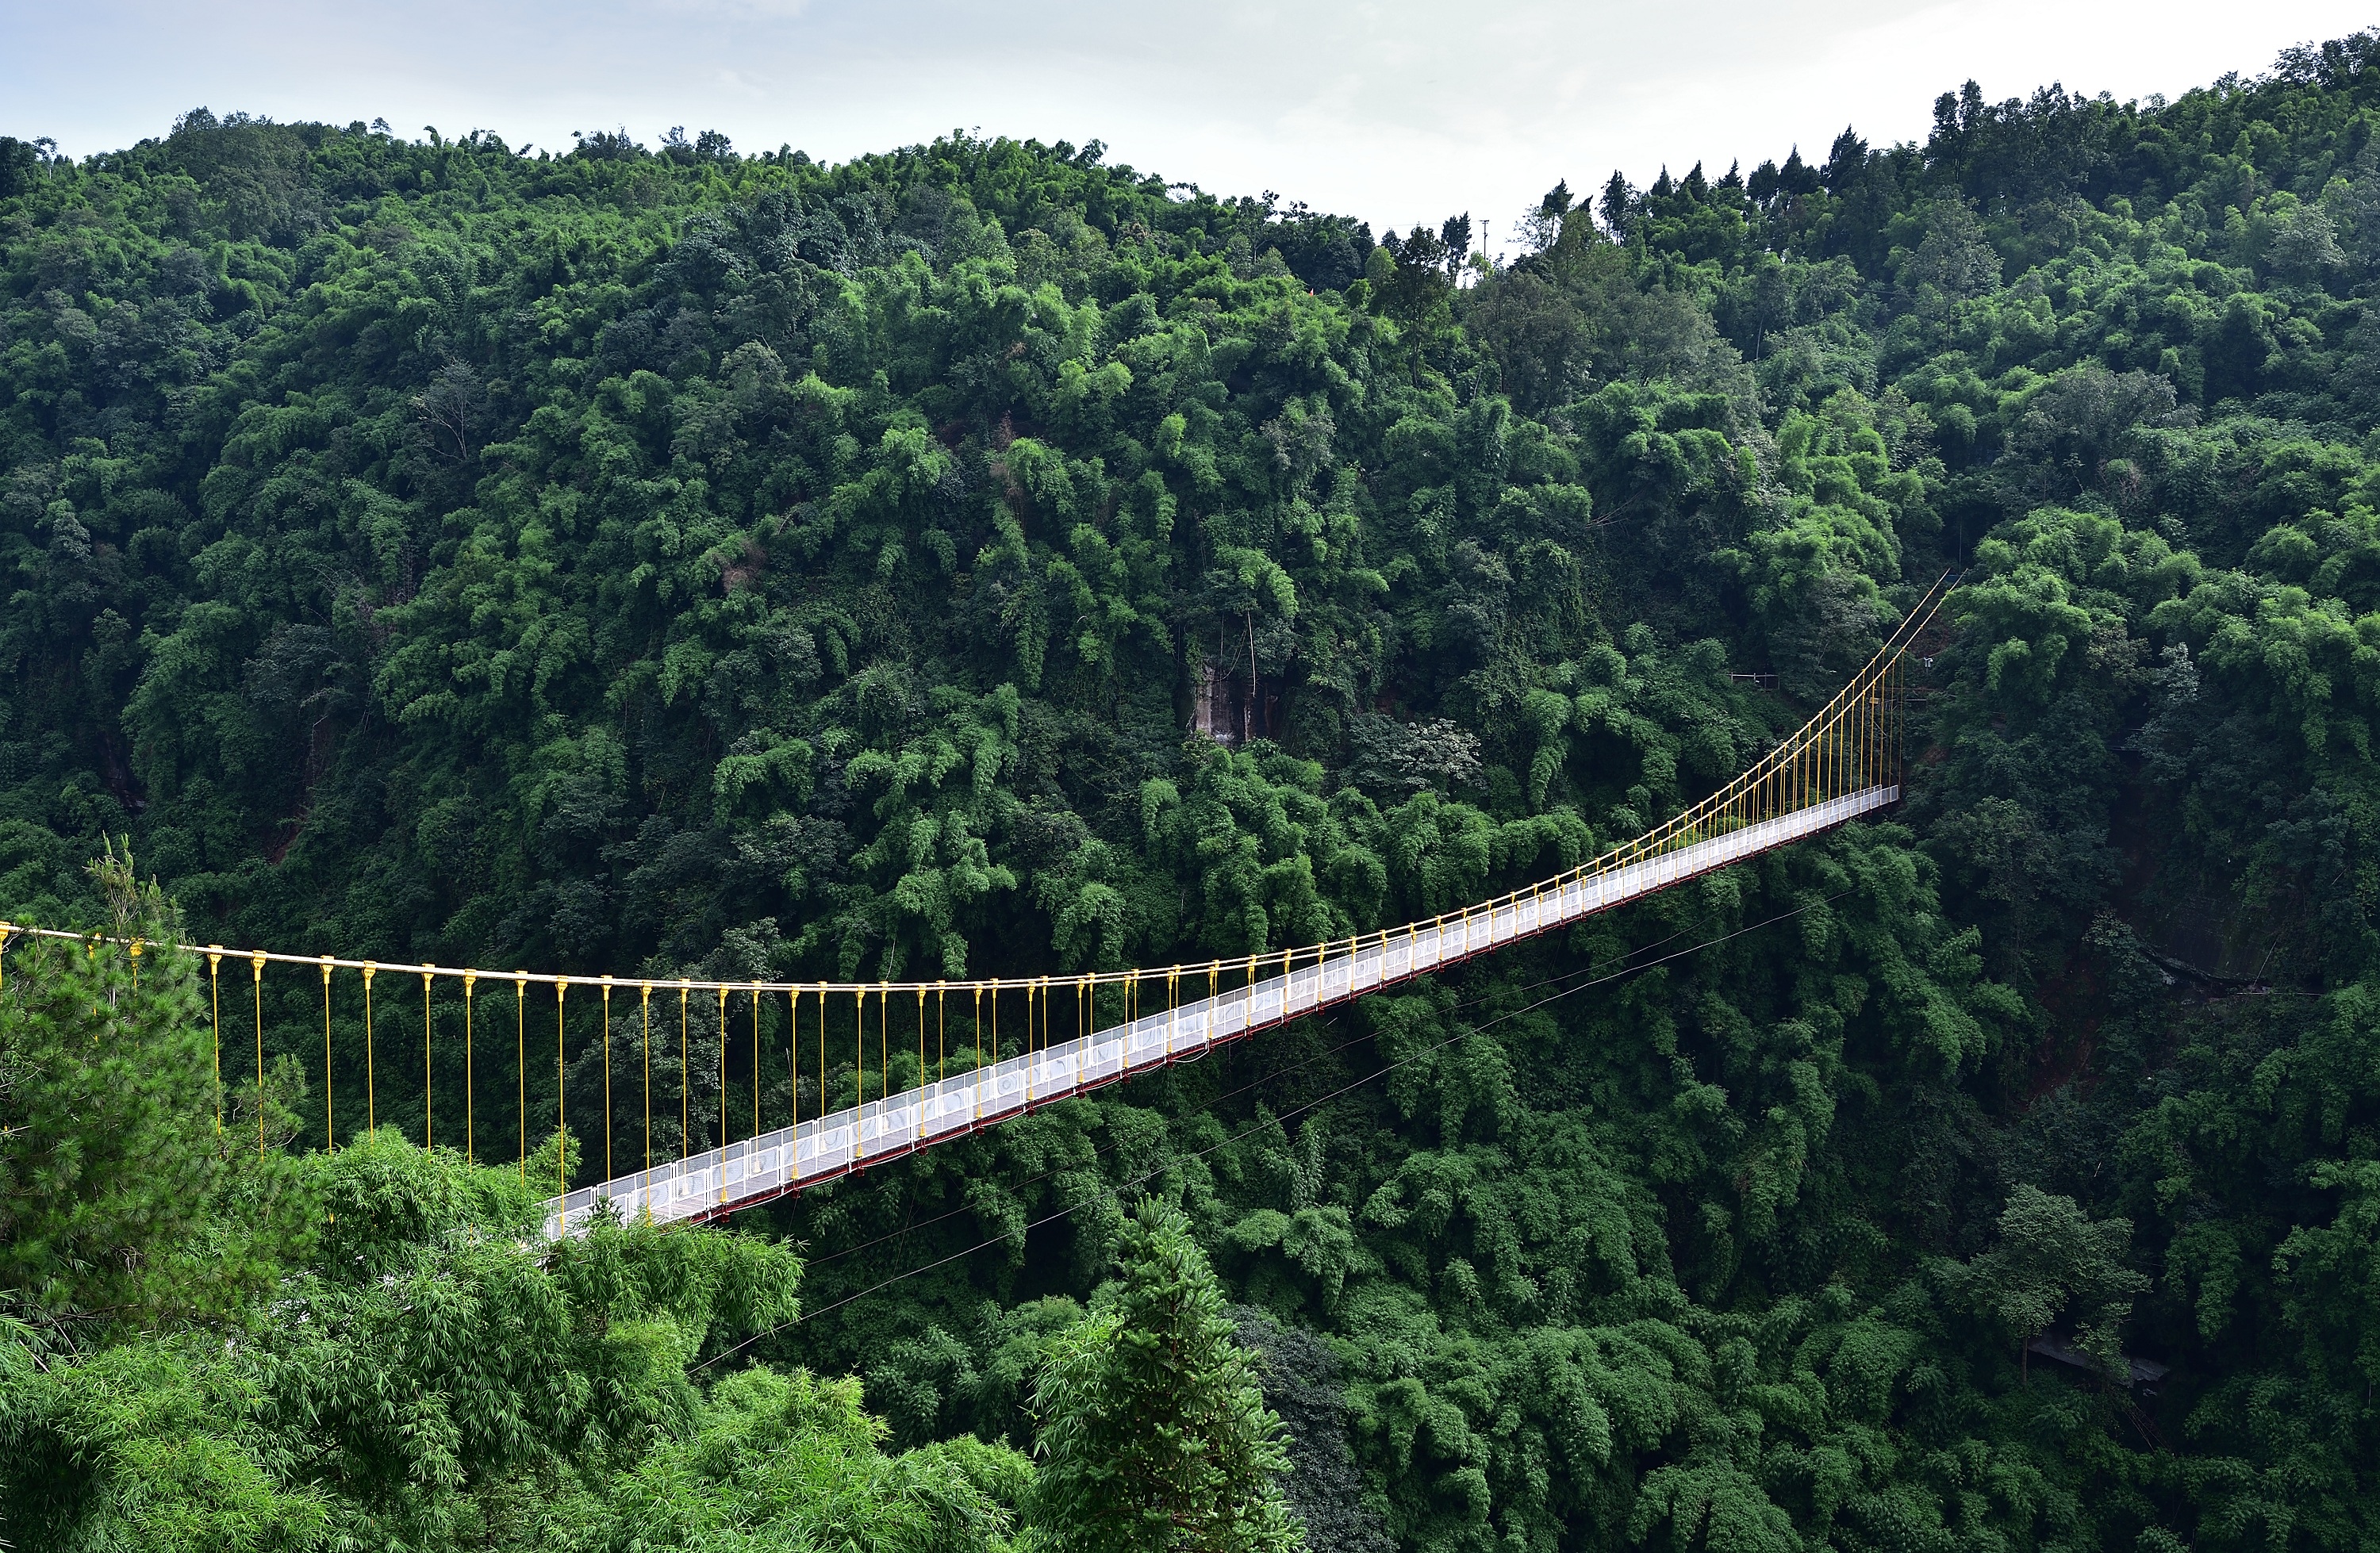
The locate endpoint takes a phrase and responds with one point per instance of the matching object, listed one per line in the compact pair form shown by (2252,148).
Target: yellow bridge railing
(1852,745)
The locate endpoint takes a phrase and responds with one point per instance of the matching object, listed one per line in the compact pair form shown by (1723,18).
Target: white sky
(1389,111)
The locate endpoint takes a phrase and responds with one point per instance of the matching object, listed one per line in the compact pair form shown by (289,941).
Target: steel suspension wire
(560,1084)
(1110,1191)
(330,1135)
(1603,971)
(257,961)
(520,1064)
(215,999)
(471,1113)
(371,1101)
(607,1078)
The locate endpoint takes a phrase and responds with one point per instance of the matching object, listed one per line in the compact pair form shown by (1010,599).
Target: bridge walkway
(754,1170)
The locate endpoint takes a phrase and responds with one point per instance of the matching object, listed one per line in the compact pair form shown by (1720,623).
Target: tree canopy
(985,558)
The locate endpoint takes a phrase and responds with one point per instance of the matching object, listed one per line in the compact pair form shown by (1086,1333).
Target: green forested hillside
(671,561)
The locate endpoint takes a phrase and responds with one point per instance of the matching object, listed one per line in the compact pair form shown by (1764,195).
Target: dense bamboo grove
(669,561)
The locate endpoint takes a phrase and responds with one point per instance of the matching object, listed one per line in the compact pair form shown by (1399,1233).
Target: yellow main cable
(1856,738)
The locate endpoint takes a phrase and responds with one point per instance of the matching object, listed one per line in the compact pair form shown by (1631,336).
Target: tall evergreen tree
(122,1197)
(1153,1434)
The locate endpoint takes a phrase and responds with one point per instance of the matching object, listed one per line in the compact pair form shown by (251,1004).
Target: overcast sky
(1392,111)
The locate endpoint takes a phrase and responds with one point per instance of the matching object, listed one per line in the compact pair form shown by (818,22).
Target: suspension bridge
(1844,762)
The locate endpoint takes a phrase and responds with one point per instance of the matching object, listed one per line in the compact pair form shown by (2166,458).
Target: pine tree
(1152,1431)
(122,1197)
